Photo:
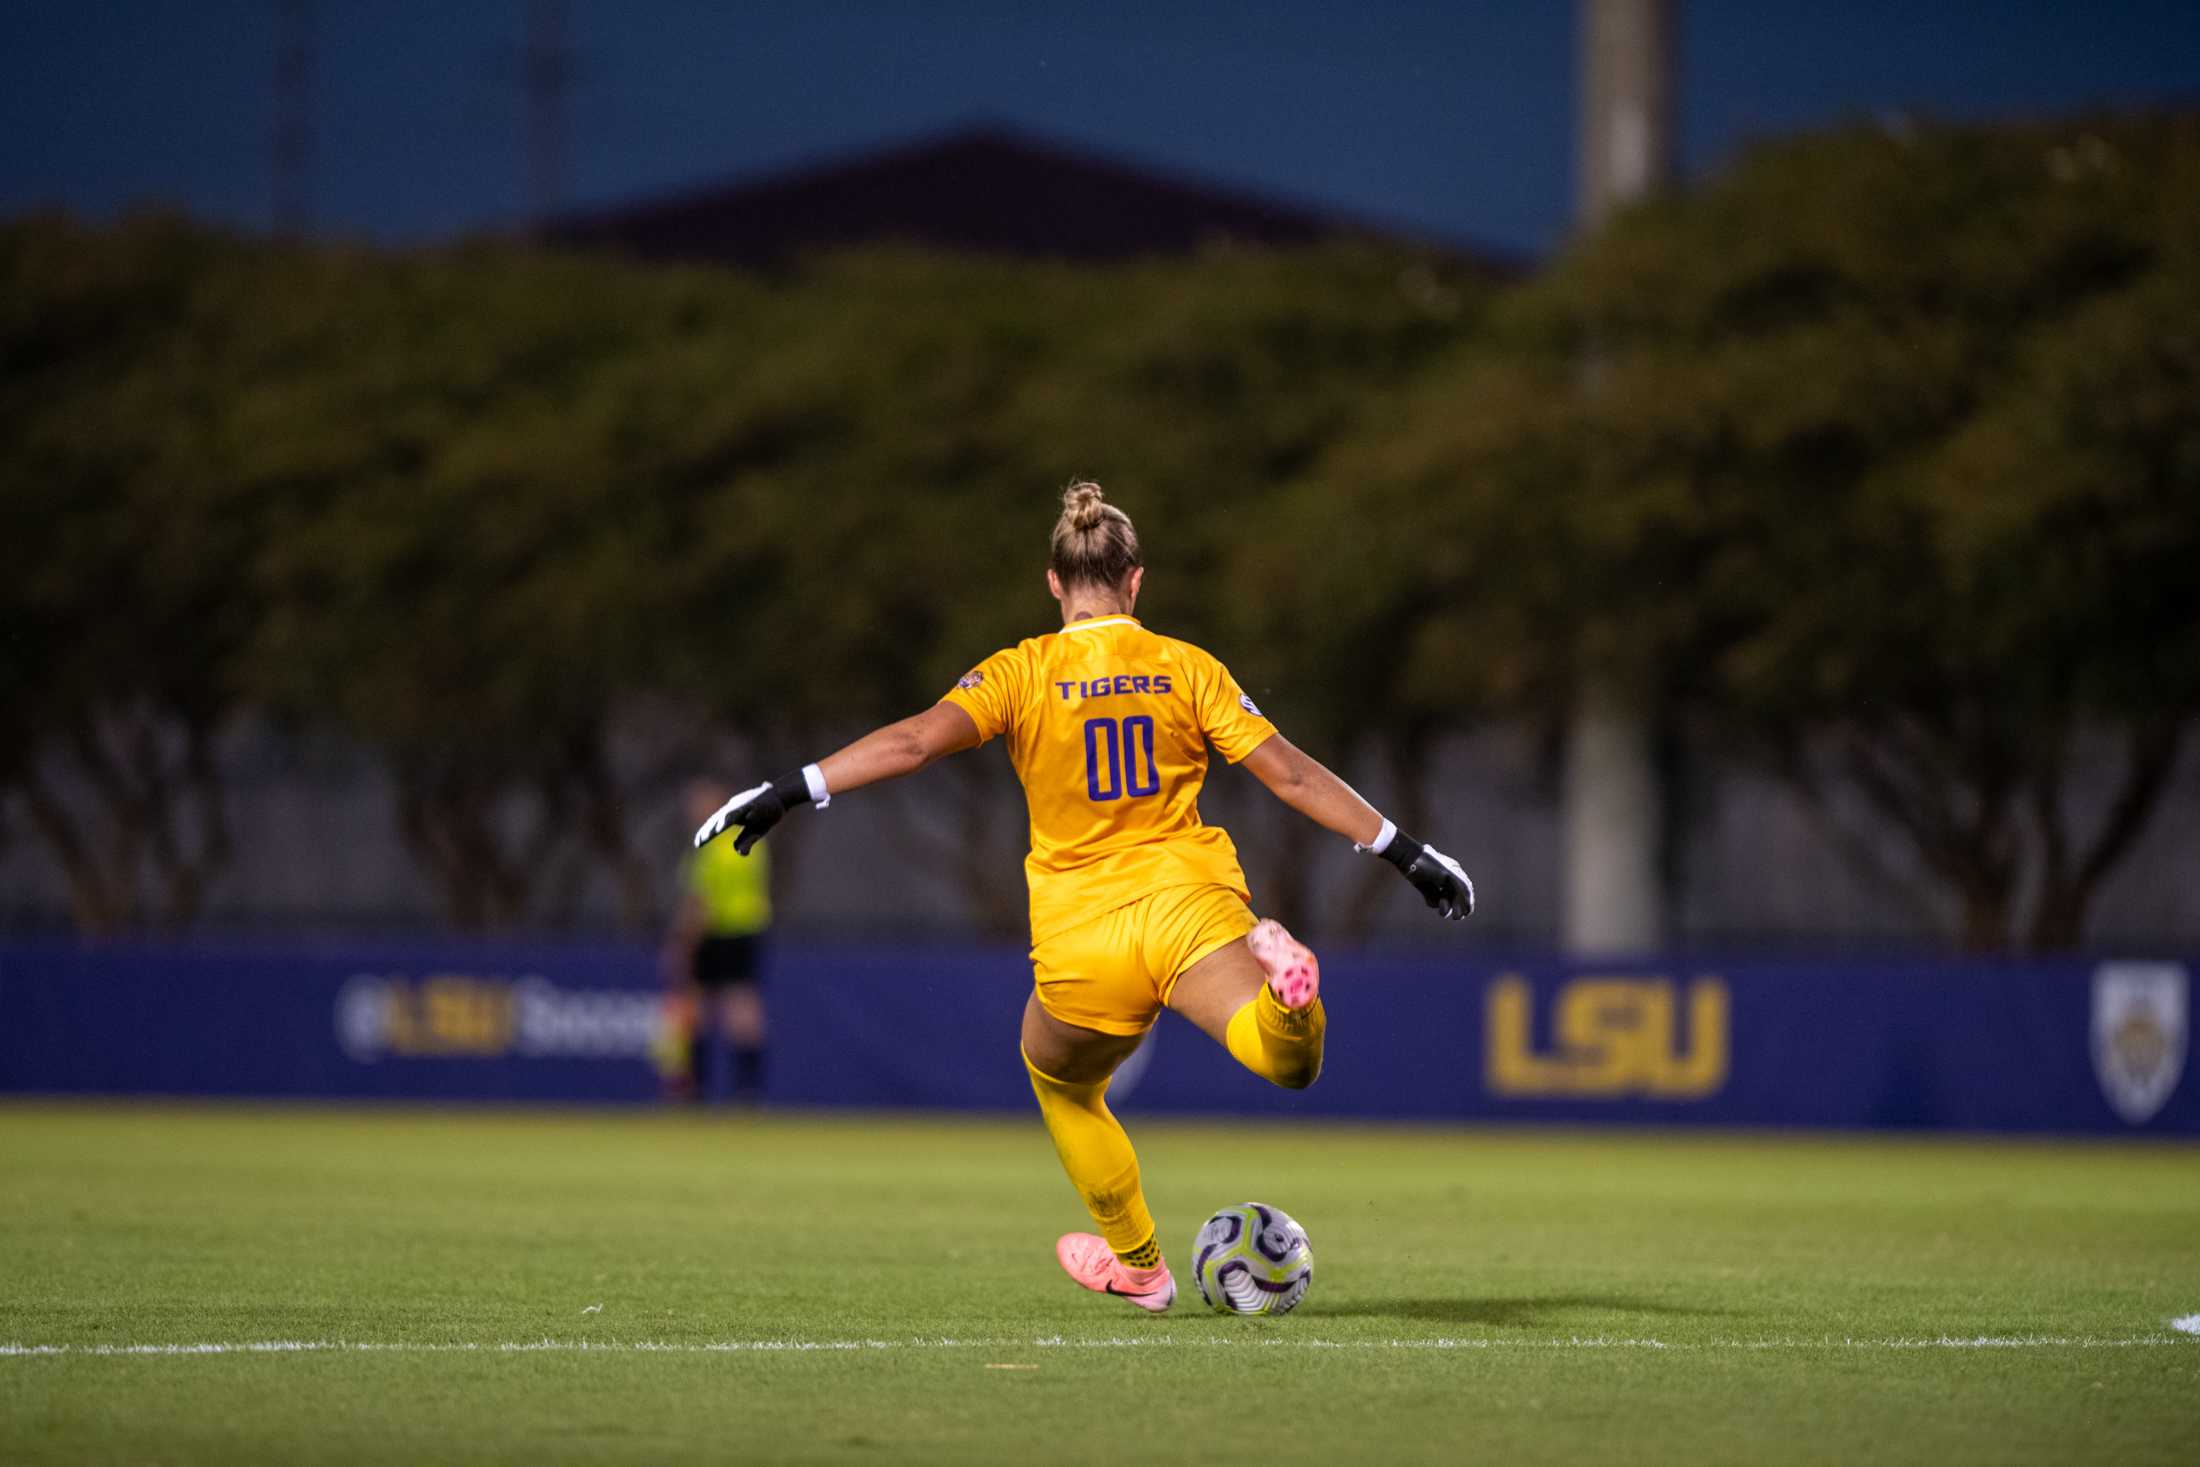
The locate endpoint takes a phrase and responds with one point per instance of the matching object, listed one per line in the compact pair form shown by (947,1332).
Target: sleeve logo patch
(970,679)
(1248,705)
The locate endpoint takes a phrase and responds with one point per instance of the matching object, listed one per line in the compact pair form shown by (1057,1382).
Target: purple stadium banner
(2097,1046)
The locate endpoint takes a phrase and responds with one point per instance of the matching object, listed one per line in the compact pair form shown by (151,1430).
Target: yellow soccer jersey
(1108,726)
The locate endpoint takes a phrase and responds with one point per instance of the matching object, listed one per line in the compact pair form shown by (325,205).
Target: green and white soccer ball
(1252,1259)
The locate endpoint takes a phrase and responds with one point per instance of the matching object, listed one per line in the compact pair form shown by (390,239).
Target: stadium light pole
(1613,798)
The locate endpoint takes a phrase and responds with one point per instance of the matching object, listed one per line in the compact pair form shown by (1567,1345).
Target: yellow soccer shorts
(1116,972)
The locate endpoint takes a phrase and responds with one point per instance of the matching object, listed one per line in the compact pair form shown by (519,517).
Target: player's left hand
(753,812)
(1437,877)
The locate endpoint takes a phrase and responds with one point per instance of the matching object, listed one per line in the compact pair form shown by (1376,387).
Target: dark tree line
(1874,461)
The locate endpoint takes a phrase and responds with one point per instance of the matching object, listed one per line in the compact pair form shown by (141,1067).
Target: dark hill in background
(984,190)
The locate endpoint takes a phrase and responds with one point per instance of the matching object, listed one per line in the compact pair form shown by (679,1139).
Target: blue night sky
(1453,119)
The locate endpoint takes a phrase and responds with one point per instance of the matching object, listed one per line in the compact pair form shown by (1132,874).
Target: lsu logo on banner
(2139,1016)
(1611,1039)
(449,1015)
(469,1016)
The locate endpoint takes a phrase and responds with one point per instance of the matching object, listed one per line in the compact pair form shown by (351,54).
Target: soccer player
(1136,904)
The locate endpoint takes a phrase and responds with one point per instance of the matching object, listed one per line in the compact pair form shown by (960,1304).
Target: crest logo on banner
(2139,1012)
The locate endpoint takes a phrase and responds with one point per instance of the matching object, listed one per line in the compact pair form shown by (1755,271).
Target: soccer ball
(1252,1259)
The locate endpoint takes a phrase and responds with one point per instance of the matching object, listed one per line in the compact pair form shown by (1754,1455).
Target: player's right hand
(1436,876)
(753,812)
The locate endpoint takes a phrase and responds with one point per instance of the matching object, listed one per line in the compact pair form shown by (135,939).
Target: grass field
(406,1286)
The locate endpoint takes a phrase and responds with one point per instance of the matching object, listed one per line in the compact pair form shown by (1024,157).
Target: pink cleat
(1292,971)
(1087,1258)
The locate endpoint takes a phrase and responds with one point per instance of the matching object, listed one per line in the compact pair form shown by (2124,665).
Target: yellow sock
(1098,1157)
(1282,1046)
(1145,1255)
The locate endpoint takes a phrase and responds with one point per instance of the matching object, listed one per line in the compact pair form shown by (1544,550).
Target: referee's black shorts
(721,962)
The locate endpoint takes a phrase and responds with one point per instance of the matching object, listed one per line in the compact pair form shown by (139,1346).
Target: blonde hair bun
(1094,543)
(1083,505)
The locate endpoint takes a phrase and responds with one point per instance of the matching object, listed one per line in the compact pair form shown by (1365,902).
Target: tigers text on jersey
(1108,726)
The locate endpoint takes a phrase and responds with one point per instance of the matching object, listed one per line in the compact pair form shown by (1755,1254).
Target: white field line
(1058,1342)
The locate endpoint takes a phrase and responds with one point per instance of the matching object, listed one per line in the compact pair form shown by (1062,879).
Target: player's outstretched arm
(1310,787)
(900,748)
(1313,789)
(885,753)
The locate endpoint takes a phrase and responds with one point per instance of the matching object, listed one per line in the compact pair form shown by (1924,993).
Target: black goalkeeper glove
(1434,875)
(754,812)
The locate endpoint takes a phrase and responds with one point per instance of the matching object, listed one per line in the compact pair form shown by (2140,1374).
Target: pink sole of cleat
(1290,965)
(1087,1258)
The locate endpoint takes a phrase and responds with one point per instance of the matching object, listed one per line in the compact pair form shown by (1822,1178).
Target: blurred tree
(1430,584)
(2072,507)
(468,573)
(118,548)
(1885,480)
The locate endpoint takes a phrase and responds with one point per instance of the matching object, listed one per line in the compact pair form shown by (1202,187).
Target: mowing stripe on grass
(1057,1342)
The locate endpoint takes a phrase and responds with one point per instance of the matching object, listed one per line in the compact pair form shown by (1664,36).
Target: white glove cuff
(1382,840)
(814,777)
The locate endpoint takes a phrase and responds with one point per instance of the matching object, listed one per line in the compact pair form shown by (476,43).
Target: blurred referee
(715,953)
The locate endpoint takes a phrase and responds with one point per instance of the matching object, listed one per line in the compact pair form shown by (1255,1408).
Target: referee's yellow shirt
(735,891)
(1108,726)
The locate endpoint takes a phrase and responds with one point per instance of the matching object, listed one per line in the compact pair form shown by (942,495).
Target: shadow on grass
(1541,1310)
